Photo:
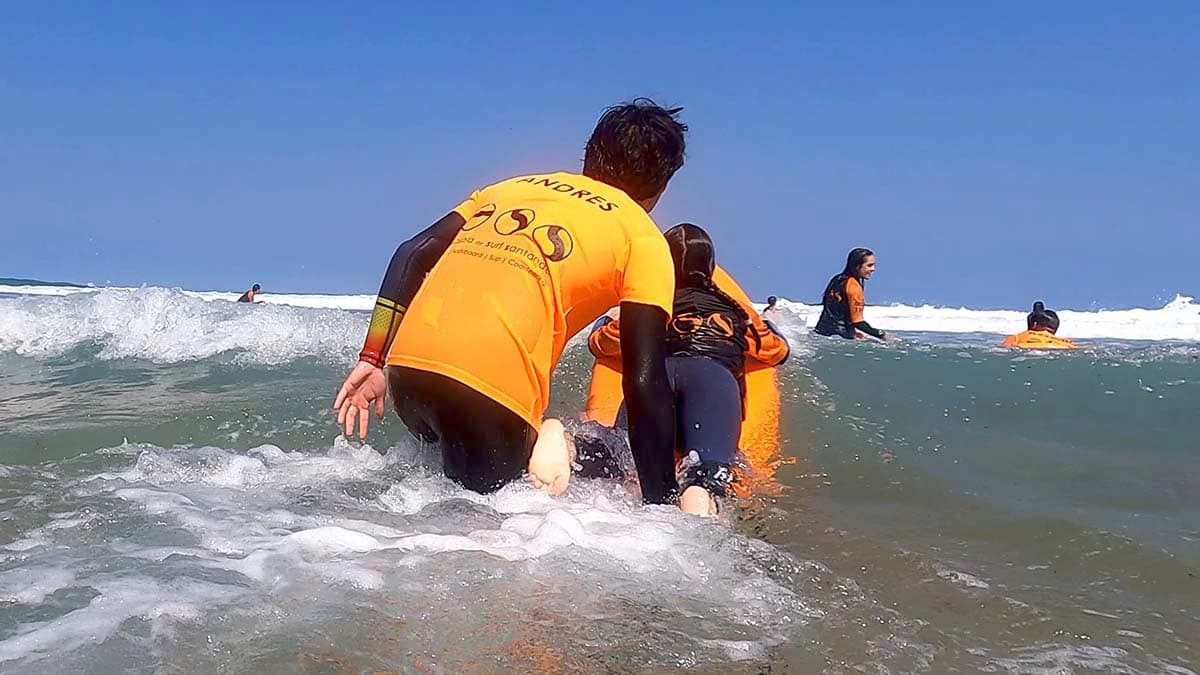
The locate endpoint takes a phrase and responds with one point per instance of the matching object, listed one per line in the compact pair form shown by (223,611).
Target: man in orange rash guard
(474,312)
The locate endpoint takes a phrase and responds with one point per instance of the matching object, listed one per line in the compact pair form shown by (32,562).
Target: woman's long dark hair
(854,261)
(695,259)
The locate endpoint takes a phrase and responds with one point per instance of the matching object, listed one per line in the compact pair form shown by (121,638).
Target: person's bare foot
(550,463)
(698,502)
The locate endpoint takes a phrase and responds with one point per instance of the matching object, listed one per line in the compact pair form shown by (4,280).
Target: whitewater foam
(171,326)
(219,530)
(1178,320)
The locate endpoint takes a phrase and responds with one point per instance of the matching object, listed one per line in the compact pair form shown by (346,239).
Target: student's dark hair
(693,254)
(256,288)
(1040,316)
(855,259)
(772,299)
(695,259)
(637,147)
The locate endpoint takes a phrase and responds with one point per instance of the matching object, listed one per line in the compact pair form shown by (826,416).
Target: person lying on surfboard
(1042,326)
(707,343)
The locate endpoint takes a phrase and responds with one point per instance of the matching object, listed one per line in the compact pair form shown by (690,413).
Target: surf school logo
(555,242)
(687,324)
(480,217)
(514,221)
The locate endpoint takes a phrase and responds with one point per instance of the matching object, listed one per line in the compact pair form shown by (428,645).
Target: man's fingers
(350,413)
(364,418)
(341,396)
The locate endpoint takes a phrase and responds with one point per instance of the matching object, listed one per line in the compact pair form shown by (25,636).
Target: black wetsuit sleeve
(410,263)
(649,401)
(866,328)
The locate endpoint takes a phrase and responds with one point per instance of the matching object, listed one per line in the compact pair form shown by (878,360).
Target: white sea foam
(1179,319)
(171,325)
(235,541)
(310,300)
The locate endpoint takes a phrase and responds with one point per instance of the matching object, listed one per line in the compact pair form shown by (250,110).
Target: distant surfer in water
(708,340)
(248,296)
(1041,328)
(770,310)
(474,312)
(843,301)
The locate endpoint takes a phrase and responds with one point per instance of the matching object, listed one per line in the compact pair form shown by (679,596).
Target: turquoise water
(176,497)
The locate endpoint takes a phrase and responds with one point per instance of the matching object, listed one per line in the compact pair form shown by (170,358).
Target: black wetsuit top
(710,326)
(245,297)
(842,309)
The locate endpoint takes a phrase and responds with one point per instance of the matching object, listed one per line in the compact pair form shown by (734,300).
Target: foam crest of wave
(1177,320)
(170,326)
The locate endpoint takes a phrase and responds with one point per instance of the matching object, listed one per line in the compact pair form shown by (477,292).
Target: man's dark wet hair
(1042,317)
(256,288)
(771,300)
(637,147)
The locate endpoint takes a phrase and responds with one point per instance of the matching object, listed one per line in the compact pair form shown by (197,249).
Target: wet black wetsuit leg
(708,413)
(483,444)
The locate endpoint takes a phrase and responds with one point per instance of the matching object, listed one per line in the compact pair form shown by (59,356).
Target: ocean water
(175,497)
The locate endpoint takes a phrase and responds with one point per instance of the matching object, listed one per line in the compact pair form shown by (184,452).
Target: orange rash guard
(528,262)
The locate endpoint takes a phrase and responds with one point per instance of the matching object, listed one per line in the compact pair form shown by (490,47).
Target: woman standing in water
(843,300)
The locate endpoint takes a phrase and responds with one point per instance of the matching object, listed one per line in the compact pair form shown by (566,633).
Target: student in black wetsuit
(248,296)
(844,300)
(707,342)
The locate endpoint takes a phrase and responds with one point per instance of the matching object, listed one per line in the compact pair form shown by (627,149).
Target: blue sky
(990,155)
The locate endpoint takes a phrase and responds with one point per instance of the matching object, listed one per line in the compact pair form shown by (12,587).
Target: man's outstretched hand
(364,387)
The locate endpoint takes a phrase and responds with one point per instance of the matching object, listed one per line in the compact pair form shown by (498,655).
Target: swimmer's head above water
(1042,319)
